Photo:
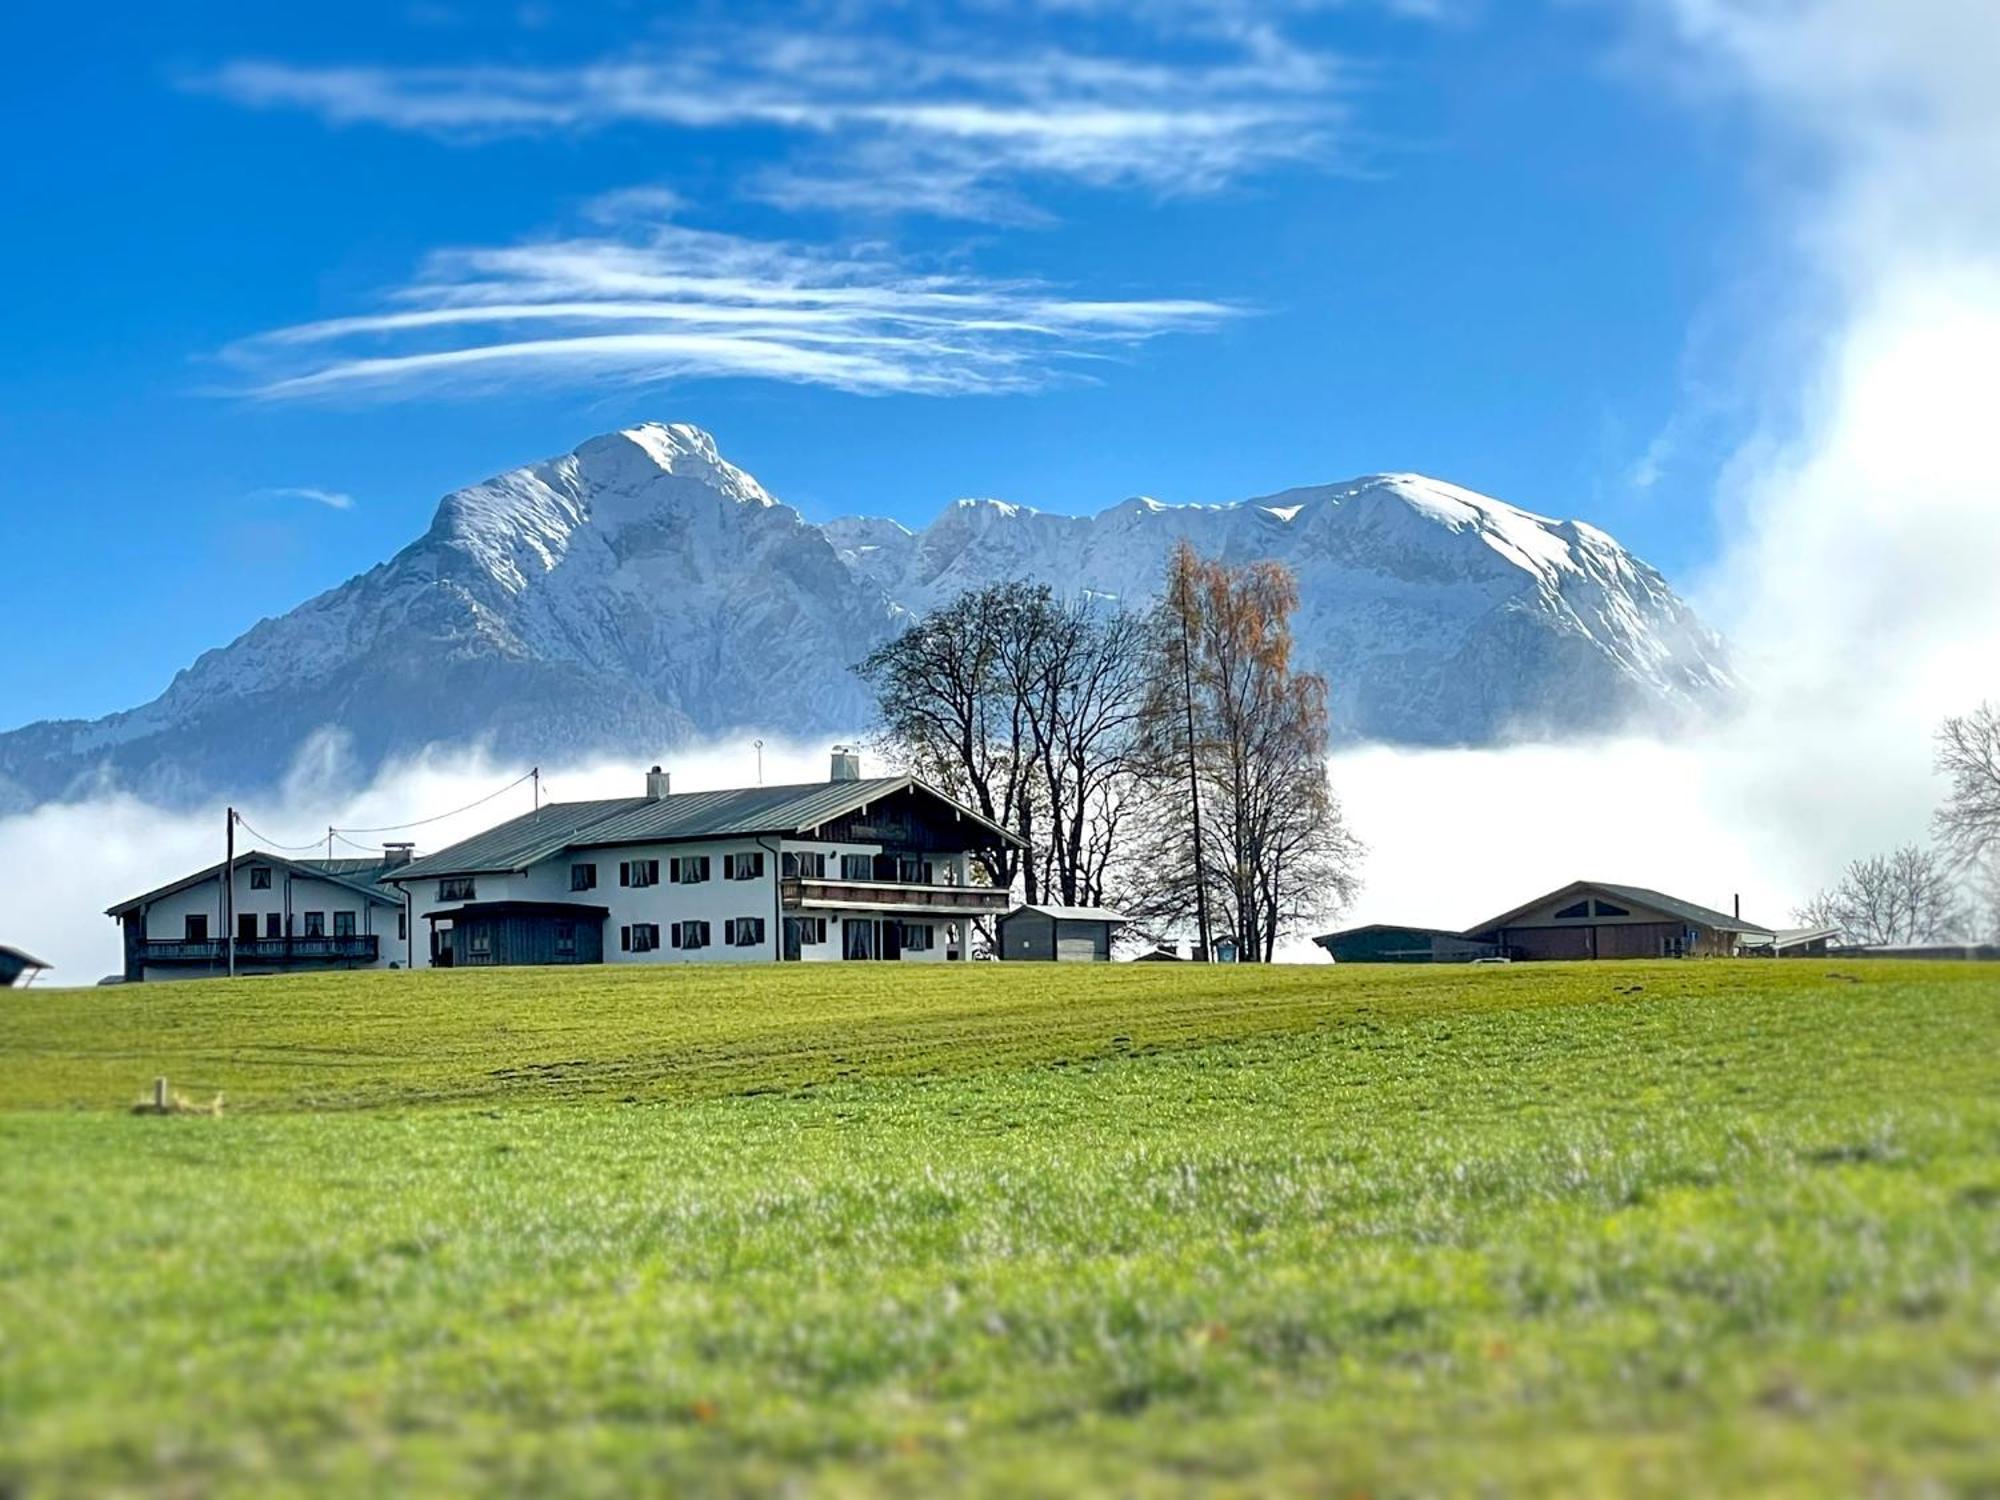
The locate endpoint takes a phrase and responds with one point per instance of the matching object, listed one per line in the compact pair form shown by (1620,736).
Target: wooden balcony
(359,948)
(804,893)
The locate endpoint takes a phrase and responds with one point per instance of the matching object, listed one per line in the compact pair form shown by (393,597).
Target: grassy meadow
(1662,1228)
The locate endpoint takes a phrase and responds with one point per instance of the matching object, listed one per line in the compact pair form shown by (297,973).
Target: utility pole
(760,761)
(1182,606)
(229,886)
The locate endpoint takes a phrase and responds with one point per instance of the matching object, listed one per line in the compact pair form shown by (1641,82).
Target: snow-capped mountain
(642,591)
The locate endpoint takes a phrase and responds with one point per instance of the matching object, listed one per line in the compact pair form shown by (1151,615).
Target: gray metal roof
(736,813)
(1638,895)
(313,868)
(1073,913)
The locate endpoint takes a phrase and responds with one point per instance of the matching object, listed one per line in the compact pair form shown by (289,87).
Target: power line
(440,817)
(270,843)
(333,832)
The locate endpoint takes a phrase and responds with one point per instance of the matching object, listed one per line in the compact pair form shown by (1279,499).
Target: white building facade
(267,915)
(844,870)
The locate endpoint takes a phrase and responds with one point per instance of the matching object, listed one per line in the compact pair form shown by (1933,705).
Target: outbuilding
(1059,934)
(18,967)
(1383,943)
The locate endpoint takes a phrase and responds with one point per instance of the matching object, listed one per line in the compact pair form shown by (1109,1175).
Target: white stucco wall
(715,901)
(166,919)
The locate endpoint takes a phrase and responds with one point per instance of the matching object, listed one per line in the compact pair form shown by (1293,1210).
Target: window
(1581,909)
(638,872)
(479,942)
(246,927)
(809,863)
(916,937)
(343,924)
(744,932)
(274,925)
(583,877)
(912,870)
(690,869)
(743,866)
(402,926)
(1606,909)
(690,934)
(857,867)
(315,924)
(812,929)
(194,929)
(458,888)
(565,940)
(260,877)
(640,937)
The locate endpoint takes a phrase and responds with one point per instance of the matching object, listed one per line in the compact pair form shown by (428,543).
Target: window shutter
(675,934)
(625,939)
(624,872)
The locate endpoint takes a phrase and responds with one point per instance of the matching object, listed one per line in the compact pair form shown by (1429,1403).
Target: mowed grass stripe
(367,1039)
(1737,1231)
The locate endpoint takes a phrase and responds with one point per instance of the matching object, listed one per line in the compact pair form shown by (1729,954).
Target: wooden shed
(1058,934)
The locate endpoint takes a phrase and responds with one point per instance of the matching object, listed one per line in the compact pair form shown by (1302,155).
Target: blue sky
(275,279)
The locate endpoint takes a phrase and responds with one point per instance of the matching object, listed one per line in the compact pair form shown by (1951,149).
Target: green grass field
(1651,1228)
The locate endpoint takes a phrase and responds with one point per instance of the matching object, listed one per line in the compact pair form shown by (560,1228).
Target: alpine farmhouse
(845,869)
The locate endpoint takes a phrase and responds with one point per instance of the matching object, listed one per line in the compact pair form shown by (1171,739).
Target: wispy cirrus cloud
(331,499)
(677,302)
(952,127)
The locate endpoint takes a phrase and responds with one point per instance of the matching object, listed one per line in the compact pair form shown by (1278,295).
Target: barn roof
(737,813)
(315,869)
(1638,895)
(1073,913)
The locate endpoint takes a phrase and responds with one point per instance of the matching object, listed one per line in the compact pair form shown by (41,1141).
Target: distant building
(1058,934)
(18,969)
(1585,919)
(844,869)
(1381,943)
(1793,942)
(291,916)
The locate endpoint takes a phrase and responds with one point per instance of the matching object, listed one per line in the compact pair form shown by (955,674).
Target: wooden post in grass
(160,1095)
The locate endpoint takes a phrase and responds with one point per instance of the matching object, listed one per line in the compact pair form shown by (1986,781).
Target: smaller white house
(278,915)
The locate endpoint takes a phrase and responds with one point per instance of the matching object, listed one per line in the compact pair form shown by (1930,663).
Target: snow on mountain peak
(641,590)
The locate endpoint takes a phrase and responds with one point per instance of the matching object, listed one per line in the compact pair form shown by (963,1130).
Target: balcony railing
(806,892)
(365,947)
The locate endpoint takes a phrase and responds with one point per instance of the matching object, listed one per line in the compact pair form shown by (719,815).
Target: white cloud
(950,125)
(1859,578)
(331,499)
(679,302)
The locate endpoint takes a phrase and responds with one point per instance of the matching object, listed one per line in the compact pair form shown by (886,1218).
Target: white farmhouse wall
(166,919)
(716,900)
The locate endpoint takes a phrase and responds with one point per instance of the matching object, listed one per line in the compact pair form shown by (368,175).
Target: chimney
(394,855)
(846,764)
(658,784)
(1739,906)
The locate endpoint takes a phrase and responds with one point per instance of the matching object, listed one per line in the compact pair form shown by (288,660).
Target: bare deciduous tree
(1027,708)
(1969,754)
(1908,896)
(1242,820)
(949,714)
